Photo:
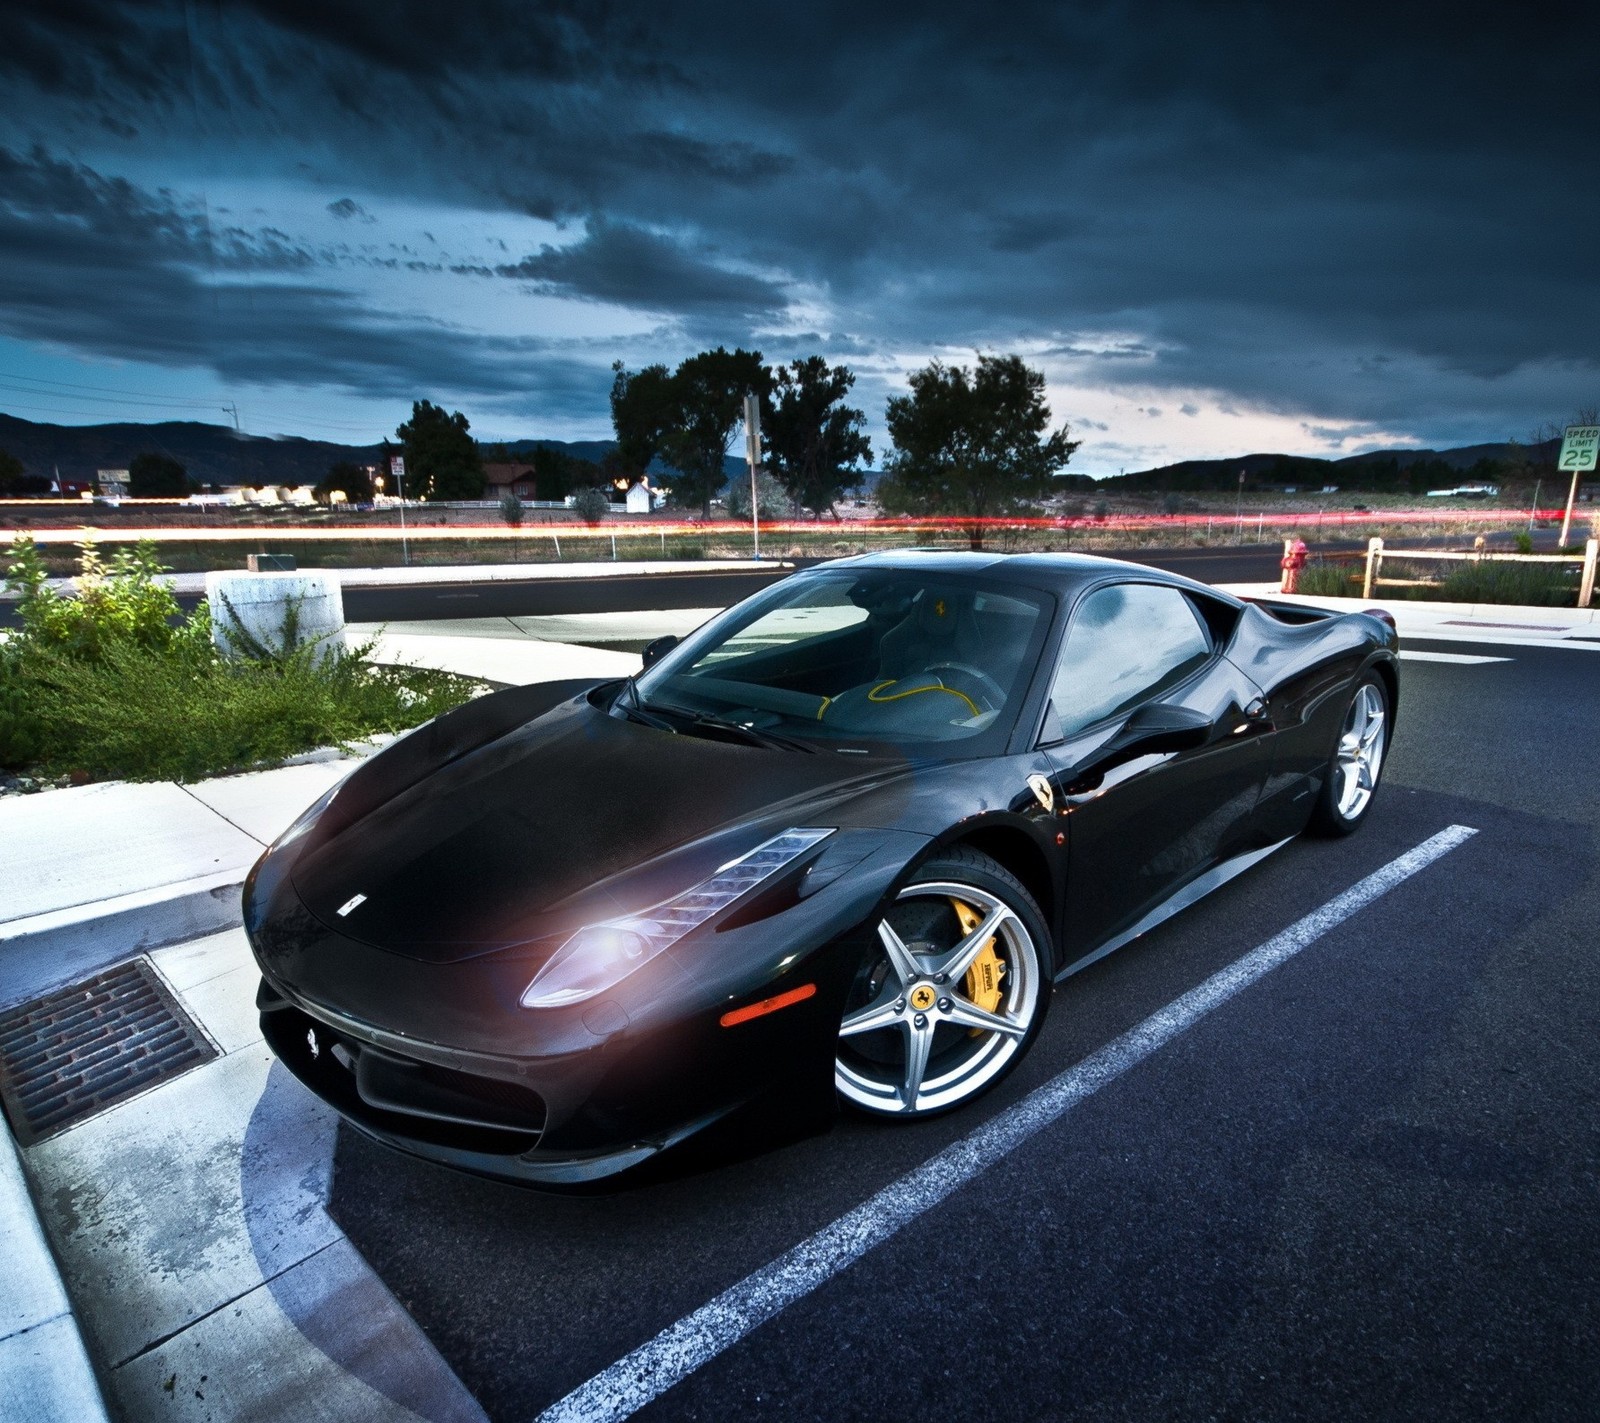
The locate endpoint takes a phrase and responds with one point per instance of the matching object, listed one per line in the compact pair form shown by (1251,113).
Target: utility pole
(1238,511)
(752,454)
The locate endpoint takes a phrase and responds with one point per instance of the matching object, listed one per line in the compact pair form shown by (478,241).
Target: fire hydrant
(1295,554)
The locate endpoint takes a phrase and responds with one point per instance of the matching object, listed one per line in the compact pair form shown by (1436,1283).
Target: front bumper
(440,1061)
(475,1116)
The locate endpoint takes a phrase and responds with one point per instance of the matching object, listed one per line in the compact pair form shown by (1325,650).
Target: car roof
(1060,573)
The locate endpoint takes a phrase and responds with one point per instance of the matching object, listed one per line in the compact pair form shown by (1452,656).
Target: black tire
(1338,812)
(967,1027)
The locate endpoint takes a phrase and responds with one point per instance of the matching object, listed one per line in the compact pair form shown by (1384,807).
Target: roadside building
(642,499)
(510,478)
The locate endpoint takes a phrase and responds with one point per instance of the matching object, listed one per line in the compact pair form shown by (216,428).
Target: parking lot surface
(1364,1185)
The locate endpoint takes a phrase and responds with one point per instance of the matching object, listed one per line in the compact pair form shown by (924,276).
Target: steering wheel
(990,689)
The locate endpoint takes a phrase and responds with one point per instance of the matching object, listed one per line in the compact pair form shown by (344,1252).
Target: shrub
(123,601)
(116,682)
(156,476)
(1320,579)
(591,505)
(21,730)
(511,509)
(1535,584)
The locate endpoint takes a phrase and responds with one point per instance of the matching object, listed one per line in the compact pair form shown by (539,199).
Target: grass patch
(118,683)
(1325,579)
(1539,585)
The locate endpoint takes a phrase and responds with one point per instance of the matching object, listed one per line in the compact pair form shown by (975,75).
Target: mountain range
(216,454)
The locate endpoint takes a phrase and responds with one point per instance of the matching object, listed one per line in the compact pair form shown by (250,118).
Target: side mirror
(655,651)
(1151,729)
(1160,727)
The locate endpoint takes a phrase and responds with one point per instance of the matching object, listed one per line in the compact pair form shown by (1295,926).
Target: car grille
(396,1095)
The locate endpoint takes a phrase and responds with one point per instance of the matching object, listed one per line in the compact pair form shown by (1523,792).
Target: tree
(772,499)
(349,479)
(10,473)
(442,459)
(709,392)
(155,476)
(591,505)
(511,509)
(556,473)
(814,439)
(644,408)
(972,444)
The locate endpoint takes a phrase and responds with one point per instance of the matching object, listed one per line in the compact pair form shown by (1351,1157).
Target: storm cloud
(1365,219)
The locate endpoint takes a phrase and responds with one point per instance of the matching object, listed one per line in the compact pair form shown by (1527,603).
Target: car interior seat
(939,628)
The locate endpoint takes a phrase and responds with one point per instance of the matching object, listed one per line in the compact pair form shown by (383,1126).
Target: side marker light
(734,1017)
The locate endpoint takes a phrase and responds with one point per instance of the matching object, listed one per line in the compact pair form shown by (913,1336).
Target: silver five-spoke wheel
(947,1002)
(1356,762)
(1360,754)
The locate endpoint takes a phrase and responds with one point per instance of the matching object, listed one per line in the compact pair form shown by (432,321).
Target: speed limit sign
(1578,448)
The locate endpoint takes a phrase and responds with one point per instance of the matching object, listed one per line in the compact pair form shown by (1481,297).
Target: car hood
(546,827)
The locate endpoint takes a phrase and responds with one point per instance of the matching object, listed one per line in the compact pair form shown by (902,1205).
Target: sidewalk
(190,1220)
(1509,625)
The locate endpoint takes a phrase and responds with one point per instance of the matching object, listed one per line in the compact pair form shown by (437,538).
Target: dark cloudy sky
(1217,227)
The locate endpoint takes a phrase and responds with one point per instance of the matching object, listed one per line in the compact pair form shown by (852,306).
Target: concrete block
(275,613)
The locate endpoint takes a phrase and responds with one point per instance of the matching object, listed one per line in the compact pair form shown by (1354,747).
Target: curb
(45,951)
(45,1373)
(45,1370)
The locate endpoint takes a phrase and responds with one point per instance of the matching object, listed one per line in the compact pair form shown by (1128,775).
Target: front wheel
(1351,780)
(951,995)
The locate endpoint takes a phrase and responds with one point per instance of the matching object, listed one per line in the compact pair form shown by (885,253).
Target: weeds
(1490,581)
(118,683)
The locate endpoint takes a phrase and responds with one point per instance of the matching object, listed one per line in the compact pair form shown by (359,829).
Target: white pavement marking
(696,1339)
(1466,659)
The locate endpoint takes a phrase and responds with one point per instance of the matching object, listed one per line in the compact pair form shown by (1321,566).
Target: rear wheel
(951,995)
(1357,762)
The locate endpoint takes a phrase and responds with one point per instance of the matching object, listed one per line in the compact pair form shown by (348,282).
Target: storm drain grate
(80,1049)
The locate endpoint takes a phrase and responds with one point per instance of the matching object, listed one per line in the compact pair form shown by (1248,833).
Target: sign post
(1578,450)
(397,468)
(752,454)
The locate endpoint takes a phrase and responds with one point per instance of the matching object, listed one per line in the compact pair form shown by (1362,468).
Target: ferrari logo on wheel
(922,997)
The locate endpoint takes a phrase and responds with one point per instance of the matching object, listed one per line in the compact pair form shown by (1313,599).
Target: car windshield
(923,661)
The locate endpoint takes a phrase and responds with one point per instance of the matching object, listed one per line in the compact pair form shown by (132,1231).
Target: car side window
(1126,644)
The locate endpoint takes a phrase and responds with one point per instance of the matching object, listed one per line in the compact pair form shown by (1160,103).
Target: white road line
(650,1370)
(1466,659)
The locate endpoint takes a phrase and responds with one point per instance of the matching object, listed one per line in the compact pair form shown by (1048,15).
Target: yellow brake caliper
(983,978)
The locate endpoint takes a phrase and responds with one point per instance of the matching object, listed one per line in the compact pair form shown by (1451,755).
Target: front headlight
(601,955)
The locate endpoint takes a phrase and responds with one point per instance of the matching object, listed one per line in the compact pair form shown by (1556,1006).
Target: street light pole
(752,454)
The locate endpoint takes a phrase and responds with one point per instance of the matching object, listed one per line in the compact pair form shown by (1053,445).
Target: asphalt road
(1363,1188)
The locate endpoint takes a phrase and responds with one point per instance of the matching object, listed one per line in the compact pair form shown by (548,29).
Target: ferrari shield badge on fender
(1040,786)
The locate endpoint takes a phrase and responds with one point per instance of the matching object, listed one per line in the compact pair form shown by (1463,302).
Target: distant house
(642,499)
(502,479)
(113,483)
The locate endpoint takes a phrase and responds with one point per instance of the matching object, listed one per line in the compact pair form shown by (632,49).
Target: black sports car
(841,842)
